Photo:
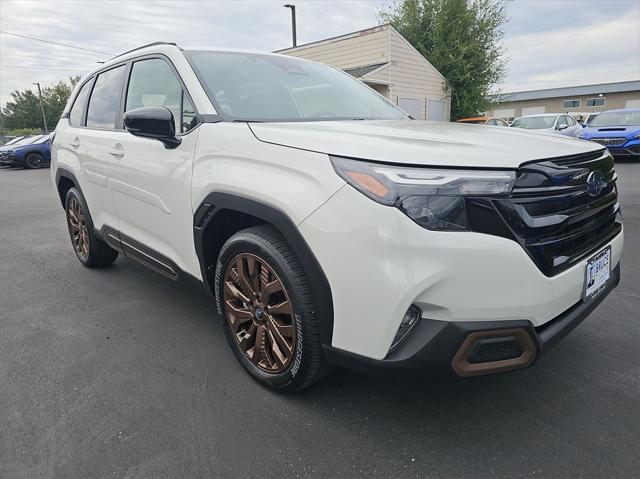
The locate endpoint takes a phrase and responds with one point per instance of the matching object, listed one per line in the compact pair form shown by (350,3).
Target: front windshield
(40,140)
(617,118)
(27,141)
(14,141)
(257,87)
(534,122)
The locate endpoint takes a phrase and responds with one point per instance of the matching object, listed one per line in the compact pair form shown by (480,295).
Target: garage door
(505,113)
(632,104)
(435,110)
(532,110)
(411,106)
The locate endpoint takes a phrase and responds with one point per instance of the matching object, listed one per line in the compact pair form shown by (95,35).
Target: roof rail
(145,46)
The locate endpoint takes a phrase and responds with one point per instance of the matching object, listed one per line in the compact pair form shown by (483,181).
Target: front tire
(90,250)
(269,316)
(33,161)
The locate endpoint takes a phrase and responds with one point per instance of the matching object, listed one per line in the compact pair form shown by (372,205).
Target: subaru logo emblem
(595,183)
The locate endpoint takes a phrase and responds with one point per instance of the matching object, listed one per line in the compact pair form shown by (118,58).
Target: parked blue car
(618,130)
(32,152)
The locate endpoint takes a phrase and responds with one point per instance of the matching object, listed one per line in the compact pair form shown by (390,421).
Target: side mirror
(155,122)
(563,126)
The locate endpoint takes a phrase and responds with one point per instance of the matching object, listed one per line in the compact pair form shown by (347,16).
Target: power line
(55,43)
(42,68)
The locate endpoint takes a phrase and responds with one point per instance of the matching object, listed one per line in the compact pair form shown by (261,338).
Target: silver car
(559,123)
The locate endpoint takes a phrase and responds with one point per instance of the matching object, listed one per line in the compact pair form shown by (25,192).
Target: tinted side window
(75,115)
(105,99)
(153,83)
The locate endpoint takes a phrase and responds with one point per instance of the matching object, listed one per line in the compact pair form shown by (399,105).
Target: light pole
(293,22)
(44,118)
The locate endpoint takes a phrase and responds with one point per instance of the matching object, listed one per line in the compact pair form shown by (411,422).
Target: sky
(549,43)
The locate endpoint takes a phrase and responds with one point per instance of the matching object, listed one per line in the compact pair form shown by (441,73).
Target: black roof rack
(145,46)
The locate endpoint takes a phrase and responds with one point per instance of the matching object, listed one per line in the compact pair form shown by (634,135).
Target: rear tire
(90,250)
(33,161)
(267,307)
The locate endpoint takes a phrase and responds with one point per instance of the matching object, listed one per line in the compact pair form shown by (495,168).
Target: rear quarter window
(75,115)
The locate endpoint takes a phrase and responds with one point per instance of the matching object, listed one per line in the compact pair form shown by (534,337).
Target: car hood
(421,142)
(610,131)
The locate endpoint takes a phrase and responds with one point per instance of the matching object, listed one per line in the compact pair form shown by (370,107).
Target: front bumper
(628,152)
(10,160)
(441,345)
(379,262)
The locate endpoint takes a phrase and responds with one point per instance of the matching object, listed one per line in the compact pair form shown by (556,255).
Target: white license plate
(597,273)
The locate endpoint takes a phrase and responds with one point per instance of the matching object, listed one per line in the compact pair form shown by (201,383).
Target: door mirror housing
(563,126)
(155,122)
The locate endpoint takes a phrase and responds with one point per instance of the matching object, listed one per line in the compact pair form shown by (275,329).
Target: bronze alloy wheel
(78,228)
(259,313)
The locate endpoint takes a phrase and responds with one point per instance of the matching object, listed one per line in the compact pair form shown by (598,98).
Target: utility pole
(293,22)
(44,118)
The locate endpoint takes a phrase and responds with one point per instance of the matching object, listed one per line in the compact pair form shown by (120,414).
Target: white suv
(330,227)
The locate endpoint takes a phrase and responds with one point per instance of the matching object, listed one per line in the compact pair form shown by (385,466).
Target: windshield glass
(256,87)
(617,118)
(534,122)
(27,141)
(14,141)
(42,139)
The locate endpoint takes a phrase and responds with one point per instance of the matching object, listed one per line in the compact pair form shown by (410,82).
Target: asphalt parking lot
(120,372)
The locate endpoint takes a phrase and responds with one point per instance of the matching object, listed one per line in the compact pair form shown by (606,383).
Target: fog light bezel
(401,334)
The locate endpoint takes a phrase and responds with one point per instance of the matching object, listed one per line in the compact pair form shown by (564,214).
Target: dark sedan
(32,152)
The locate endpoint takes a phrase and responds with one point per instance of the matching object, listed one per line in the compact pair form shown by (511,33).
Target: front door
(151,184)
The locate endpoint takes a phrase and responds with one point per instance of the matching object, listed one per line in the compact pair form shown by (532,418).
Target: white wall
(413,76)
(532,110)
(504,113)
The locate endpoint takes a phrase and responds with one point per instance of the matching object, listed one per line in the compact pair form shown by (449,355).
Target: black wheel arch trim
(64,173)
(217,202)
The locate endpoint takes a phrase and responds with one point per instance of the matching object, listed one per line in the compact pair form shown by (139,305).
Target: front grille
(616,141)
(563,209)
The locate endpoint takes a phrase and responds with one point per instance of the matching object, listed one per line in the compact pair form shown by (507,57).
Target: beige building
(578,101)
(386,61)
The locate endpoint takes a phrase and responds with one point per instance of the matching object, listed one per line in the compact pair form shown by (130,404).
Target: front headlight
(432,197)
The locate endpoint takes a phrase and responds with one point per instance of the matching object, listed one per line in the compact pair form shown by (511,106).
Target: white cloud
(116,26)
(600,52)
(551,43)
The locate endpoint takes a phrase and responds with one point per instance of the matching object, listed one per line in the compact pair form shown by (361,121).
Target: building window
(571,104)
(595,101)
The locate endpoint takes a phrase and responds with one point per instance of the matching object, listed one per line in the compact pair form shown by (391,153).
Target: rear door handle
(75,143)
(117,150)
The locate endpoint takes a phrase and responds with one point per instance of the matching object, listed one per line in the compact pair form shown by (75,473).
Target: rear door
(92,121)
(151,184)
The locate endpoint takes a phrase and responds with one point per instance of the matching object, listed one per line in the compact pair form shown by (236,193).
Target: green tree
(23,110)
(462,39)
